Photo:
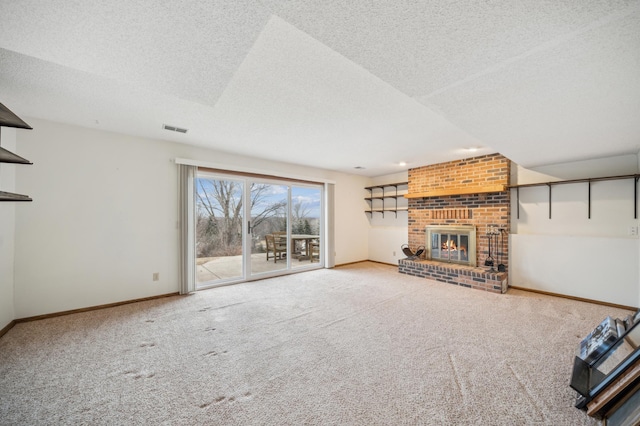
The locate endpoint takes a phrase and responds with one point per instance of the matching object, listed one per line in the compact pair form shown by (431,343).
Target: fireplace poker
(489,260)
(501,266)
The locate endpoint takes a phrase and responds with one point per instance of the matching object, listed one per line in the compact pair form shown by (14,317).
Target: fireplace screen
(456,244)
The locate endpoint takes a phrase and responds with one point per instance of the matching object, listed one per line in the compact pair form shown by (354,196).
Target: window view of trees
(301,221)
(218,218)
(219,215)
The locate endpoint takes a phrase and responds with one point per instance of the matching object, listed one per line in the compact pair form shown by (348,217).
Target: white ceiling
(336,84)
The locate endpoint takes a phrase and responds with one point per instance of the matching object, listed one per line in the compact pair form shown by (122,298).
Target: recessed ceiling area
(336,85)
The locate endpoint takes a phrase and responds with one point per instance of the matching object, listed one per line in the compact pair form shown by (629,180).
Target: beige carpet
(356,345)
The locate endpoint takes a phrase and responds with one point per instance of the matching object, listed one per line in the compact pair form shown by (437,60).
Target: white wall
(352,227)
(7,224)
(596,268)
(571,254)
(104,216)
(387,233)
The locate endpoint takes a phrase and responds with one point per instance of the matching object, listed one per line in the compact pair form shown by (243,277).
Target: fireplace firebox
(451,243)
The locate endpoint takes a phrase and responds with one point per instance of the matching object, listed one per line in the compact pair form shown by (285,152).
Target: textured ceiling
(336,84)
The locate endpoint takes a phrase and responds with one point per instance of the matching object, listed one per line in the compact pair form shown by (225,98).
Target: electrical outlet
(156,276)
(633,231)
(394,254)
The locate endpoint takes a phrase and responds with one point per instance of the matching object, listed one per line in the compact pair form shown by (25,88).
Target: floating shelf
(583,180)
(399,209)
(10,196)
(385,196)
(458,191)
(9,157)
(588,181)
(9,119)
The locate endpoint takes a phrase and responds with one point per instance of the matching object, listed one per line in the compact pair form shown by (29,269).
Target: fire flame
(449,245)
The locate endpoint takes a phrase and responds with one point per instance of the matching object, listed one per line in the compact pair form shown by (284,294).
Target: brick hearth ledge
(465,276)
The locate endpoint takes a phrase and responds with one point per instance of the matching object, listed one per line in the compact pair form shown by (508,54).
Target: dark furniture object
(610,381)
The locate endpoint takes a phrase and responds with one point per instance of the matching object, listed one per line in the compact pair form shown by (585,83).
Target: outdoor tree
(266,212)
(299,212)
(306,228)
(219,213)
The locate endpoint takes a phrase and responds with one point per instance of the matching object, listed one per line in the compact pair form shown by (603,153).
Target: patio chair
(277,246)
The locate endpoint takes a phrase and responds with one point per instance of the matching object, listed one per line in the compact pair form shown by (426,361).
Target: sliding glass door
(249,228)
(306,208)
(268,226)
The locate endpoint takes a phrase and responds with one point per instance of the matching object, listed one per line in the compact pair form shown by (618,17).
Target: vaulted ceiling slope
(336,84)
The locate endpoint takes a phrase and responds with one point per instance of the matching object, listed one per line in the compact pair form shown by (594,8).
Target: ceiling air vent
(174,128)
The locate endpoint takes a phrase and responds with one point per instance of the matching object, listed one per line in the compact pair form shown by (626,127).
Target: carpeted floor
(356,345)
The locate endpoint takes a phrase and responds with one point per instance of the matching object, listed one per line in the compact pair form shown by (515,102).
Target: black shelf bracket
(635,197)
(589,202)
(395,210)
(371,199)
(549,200)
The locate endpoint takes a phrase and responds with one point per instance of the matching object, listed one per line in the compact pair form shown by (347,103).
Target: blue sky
(275,193)
(309,197)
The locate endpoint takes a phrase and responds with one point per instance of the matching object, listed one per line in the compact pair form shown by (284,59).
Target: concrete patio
(228,267)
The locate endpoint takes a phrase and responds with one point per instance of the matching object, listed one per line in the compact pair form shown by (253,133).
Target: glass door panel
(452,246)
(464,243)
(306,206)
(268,225)
(435,245)
(219,220)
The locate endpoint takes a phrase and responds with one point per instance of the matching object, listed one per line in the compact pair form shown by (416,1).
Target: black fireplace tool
(489,260)
(501,266)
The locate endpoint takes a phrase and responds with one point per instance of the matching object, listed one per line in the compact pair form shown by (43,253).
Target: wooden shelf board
(385,197)
(611,391)
(583,180)
(9,196)
(386,185)
(458,191)
(7,156)
(9,119)
(401,209)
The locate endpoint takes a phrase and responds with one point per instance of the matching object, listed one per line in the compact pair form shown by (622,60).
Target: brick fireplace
(469,192)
